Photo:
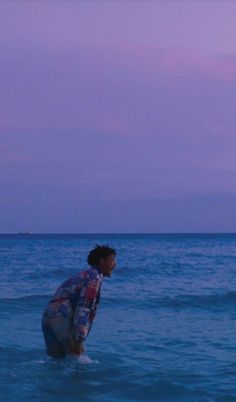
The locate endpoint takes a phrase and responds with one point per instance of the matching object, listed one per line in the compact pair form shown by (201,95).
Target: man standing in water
(68,317)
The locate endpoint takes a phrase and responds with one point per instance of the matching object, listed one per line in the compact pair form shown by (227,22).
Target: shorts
(58,335)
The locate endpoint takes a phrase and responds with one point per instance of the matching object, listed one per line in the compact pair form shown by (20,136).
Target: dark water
(165,329)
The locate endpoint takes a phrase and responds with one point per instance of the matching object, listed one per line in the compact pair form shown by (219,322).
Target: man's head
(103,257)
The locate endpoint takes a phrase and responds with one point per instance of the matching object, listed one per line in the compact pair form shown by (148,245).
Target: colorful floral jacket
(77,299)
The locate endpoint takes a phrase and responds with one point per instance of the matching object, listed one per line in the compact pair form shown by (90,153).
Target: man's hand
(76,348)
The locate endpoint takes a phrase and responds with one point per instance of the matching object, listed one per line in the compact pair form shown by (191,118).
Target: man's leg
(50,326)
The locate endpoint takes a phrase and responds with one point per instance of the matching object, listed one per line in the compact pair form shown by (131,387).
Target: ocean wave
(195,301)
(24,299)
(182,301)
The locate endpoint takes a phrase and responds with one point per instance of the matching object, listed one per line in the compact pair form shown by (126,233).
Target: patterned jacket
(77,300)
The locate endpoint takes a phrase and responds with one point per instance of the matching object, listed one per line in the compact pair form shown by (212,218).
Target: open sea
(165,329)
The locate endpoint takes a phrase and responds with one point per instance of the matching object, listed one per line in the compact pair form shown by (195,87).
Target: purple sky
(117,116)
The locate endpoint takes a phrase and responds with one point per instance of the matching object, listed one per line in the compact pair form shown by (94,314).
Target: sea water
(165,329)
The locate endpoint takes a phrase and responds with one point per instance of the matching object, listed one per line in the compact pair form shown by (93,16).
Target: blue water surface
(165,329)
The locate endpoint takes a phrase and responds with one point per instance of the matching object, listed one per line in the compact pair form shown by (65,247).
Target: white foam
(85,359)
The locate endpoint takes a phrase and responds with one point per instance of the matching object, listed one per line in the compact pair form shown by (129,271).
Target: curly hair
(99,252)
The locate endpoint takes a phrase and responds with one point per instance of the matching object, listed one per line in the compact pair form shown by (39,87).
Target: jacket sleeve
(86,307)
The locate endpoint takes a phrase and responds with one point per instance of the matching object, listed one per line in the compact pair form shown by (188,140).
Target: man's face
(107,265)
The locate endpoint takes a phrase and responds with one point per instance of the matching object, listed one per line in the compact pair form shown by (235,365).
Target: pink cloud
(121,90)
(175,60)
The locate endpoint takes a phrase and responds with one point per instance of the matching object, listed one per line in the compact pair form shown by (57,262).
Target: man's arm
(86,309)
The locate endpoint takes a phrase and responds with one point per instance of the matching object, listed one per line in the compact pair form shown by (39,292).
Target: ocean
(165,329)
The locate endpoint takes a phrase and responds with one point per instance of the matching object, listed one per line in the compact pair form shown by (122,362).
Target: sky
(117,116)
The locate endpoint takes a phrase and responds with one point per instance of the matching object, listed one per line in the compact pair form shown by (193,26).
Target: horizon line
(109,233)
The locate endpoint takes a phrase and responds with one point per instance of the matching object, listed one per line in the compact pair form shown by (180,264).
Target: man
(68,317)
